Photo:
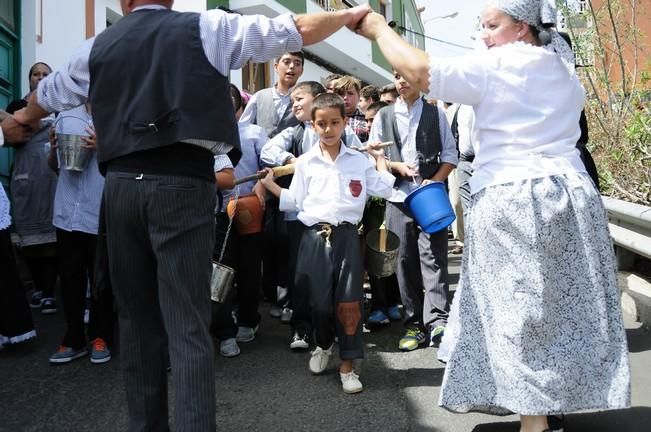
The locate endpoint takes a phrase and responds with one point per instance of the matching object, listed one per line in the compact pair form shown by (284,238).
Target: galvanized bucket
(72,154)
(221,282)
(381,252)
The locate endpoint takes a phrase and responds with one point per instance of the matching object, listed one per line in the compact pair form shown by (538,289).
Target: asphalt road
(268,388)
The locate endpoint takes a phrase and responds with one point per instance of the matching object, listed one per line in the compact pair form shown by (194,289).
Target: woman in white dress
(540,326)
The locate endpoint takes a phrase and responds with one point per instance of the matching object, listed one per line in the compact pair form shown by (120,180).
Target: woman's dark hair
(236,97)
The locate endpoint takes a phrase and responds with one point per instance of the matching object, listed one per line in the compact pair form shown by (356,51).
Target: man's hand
(357,13)
(371,25)
(261,192)
(403,169)
(375,150)
(14,132)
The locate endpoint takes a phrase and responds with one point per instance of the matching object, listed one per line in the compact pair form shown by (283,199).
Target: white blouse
(527,105)
(5,218)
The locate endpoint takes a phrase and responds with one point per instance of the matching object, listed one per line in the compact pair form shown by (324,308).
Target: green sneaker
(412,339)
(436,335)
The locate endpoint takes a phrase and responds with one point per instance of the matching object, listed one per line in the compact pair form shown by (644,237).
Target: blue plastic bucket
(431,207)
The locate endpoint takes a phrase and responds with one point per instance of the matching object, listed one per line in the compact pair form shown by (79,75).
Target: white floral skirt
(539,327)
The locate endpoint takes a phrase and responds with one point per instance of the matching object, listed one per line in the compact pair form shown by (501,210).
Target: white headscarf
(540,14)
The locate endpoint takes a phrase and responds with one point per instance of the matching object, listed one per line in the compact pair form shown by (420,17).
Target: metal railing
(333,5)
(630,225)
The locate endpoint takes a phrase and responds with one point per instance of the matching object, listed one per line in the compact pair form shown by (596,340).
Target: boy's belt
(325,229)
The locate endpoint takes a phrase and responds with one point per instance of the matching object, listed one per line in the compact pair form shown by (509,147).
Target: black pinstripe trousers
(160,234)
(422,269)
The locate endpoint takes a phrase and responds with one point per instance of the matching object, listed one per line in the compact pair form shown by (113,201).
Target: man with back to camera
(158,133)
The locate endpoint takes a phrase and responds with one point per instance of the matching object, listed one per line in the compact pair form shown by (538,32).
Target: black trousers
(299,294)
(160,233)
(275,254)
(15,316)
(243,253)
(77,252)
(330,266)
(43,266)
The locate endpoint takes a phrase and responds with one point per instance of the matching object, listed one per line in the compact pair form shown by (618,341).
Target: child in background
(329,190)
(243,252)
(283,149)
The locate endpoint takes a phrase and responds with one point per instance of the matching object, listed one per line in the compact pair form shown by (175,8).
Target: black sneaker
(49,306)
(37,299)
(299,342)
(556,423)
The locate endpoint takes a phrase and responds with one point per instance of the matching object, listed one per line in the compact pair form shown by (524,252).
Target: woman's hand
(91,139)
(53,139)
(371,25)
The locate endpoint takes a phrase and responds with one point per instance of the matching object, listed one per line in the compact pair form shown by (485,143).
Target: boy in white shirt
(329,190)
(283,149)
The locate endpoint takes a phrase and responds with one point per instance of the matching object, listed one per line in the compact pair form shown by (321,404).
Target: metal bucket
(381,259)
(72,156)
(221,282)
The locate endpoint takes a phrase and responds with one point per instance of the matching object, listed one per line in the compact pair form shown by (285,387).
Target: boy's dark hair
(312,87)
(236,97)
(390,88)
(328,100)
(330,78)
(376,106)
(370,92)
(298,54)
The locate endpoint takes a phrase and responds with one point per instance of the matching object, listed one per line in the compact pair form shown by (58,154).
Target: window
(255,76)
(7,14)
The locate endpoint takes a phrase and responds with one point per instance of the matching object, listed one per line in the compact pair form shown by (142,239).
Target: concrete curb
(636,297)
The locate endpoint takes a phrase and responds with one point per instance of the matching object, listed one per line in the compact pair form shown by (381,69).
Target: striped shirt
(78,194)
(229,41)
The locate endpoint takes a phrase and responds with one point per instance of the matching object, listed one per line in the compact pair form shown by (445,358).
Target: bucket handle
(61,117)
(230,224)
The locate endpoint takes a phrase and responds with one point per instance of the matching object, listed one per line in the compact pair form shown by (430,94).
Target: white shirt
(407,120)
(276,151)
(2,138)
(5,216)
(334,192)
(527,105)
(229,41)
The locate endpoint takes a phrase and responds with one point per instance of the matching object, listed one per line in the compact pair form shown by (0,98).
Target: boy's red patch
(355,187)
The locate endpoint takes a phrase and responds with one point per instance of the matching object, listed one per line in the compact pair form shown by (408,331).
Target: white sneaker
(319,359)
(229,348)
(246,334)
(350,382)
(286,316)
(299,342)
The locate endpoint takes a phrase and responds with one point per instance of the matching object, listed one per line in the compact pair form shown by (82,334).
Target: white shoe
(229,348)
(319,359)
(246,334)
(299,342)
(350,382)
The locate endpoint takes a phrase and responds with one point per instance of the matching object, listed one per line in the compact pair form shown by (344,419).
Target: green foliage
(610,47)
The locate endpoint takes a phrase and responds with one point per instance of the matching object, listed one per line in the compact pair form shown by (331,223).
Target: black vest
(428,138)
(151,85)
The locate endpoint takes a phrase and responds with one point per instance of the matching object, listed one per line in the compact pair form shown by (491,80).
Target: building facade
(50,30)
